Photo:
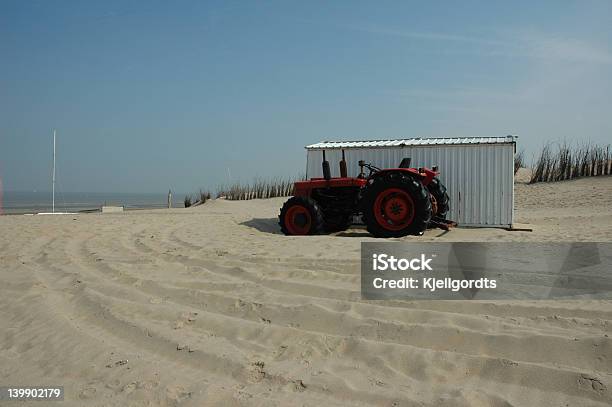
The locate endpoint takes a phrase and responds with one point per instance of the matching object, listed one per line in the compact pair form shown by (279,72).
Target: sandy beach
(211,305)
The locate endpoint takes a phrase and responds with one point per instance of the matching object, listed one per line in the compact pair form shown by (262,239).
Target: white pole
(53,210)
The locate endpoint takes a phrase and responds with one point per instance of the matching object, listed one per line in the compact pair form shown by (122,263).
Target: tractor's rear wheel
(301,215)
(440,197)
(396,205)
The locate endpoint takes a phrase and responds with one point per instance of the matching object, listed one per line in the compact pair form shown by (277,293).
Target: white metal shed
(477,171)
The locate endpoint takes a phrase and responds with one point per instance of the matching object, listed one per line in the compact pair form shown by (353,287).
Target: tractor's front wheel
(301,215)
(396,205)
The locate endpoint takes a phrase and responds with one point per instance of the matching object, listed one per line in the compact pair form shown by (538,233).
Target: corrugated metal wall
(479,177)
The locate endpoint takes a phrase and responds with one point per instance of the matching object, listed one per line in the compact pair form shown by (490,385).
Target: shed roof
(417,141)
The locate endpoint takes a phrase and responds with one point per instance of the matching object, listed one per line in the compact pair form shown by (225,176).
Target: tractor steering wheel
(373,169)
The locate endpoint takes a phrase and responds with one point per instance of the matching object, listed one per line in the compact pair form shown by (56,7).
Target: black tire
(438,190)
(391,186)
(300,215)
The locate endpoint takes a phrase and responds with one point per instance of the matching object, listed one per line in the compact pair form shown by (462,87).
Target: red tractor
(393,202)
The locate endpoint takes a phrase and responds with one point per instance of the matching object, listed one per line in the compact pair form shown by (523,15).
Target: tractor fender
(424,175)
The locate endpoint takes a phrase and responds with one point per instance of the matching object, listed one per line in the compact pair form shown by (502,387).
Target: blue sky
(156,94)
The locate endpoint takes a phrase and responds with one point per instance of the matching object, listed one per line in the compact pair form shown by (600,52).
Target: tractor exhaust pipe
(343,171)
(405,162)
(326,170)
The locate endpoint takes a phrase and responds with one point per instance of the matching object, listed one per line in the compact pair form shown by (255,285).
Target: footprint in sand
(186,318)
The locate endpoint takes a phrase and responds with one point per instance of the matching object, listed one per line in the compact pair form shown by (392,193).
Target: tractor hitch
(443,224)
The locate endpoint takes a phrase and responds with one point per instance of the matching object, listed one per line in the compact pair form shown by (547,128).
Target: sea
(20,202)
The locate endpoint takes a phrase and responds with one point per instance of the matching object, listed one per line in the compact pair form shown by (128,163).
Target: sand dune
(212,306)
